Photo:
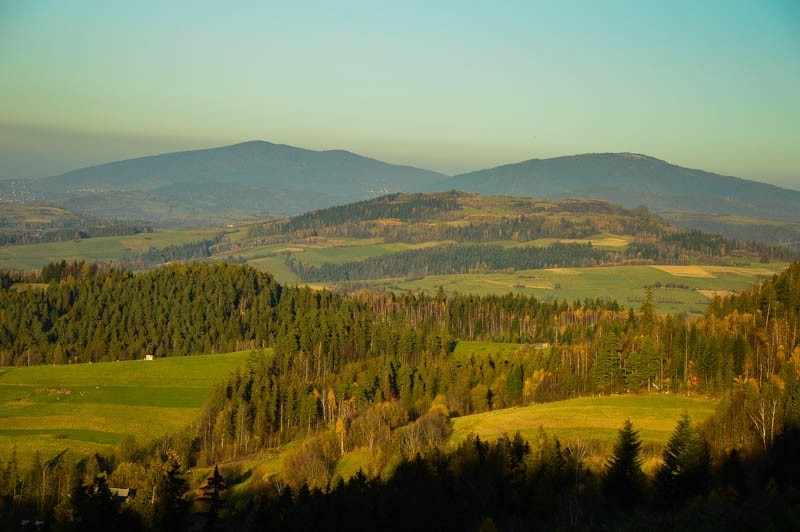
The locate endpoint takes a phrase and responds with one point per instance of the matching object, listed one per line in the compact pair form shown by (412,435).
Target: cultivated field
(89,407)
(678,289)
(674,291)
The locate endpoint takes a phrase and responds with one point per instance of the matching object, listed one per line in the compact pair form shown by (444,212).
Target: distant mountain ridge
(253,176)
(631,179)
(257,178)
(254,163)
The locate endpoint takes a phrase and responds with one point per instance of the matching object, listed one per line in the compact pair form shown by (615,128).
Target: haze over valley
(413,266)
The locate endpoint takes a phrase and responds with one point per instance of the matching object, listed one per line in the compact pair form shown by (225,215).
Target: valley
(343,248)
(486,266)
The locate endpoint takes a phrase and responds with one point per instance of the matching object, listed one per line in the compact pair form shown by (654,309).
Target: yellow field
(711,294)
(561,271)
(593,420)
(686,271)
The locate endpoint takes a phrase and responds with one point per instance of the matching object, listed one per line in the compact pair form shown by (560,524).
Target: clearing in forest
(90,407)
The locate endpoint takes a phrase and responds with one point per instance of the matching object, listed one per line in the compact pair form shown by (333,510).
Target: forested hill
(466,217)
(632,179)
(91,313)
(468,233)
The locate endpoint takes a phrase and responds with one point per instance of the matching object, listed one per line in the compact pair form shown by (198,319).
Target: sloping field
(626,284)
(88,407)
(34,256)
(685,271)
(595,420)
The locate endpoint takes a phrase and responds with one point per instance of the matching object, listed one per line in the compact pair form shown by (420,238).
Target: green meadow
(677,289)
(625,284)
(34,256)
(594,420)
(465,350)
(90,407)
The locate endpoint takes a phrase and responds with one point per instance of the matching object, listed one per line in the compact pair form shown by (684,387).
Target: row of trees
(453,259)
(515,484)
(67,229)
(189,251)
(483,258)
(509,483)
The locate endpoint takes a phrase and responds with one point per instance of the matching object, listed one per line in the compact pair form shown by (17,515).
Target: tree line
(455,259)
(85,228)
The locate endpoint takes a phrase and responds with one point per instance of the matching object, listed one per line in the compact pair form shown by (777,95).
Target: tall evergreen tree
(685,471)
(624,482)
(213,500)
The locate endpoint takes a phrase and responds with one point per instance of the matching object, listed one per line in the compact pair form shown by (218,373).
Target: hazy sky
(451,86)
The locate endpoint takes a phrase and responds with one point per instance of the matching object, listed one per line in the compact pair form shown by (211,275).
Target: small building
(148,357)
(122,494)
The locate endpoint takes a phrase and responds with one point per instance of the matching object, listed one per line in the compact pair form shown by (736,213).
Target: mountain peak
(632,179)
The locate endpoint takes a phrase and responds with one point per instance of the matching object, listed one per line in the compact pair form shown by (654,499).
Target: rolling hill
(248,180)
(631,179)
(251,176)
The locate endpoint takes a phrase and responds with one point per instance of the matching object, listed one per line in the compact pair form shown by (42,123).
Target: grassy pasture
(464,350)
(88,407)
(13,214)
(600,240)
(626,284)
(595,420)
(34,256)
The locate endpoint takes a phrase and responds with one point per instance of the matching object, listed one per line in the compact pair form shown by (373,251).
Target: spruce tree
(213,500)
(624,482)
(685,471)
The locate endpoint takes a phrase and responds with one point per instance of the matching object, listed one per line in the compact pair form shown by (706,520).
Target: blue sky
(451,86)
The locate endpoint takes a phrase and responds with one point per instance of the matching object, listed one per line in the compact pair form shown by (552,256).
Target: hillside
(632,179)
(455,233)
(251,176)
(91,407)
(768,230)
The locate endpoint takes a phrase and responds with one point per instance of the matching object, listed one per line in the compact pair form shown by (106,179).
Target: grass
(89,407)
(13,214)
(34,256)
(601,241)
(595,420)
(625,284)
(464,350)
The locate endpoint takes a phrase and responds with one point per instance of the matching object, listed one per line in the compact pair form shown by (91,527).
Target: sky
(452,86)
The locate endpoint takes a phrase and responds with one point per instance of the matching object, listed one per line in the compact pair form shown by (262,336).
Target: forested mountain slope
(252,176)
(632,179)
